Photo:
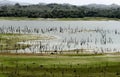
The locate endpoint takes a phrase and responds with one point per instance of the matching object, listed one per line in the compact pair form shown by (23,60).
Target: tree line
(57,11)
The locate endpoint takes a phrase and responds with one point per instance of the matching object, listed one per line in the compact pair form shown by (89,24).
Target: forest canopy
(58,11)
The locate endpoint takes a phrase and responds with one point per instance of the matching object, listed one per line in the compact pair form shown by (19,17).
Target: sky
(74,2)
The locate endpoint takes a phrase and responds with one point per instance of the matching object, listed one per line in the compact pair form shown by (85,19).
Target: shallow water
(98,36)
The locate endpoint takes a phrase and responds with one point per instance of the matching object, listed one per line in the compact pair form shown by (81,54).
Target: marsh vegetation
(10,41)
(59,49)
(61,36)
(59,66)
(59,40)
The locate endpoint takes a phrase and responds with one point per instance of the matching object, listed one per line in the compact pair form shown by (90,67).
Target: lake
(93,36)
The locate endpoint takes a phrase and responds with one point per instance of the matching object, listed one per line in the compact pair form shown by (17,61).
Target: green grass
(88,19)
(17,18)
(60,66)
(60,19)
(24,18)
(10,41)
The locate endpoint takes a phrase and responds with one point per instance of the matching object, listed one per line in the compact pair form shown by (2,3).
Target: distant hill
(8,3)
(102,6)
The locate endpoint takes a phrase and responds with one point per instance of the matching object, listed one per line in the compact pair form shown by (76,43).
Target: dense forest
(58,11)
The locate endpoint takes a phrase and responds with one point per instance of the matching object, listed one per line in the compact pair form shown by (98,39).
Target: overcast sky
(74,2)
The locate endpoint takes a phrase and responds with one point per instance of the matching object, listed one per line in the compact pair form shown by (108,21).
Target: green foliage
(57,11)
(59,66)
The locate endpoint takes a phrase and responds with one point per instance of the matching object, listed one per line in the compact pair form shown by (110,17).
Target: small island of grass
(10,41)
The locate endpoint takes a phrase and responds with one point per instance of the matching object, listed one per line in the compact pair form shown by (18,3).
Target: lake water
(94,36)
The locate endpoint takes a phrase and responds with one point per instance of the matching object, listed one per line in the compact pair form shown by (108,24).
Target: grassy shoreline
(58,19)
(10,41)
(89,19)
(54,65)
(59,66)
